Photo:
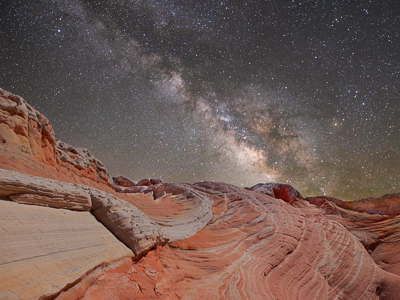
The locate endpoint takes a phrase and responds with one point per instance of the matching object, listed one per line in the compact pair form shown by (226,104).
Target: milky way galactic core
(299,92)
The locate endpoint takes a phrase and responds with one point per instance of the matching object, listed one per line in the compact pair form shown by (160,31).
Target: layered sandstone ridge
(45,227)
(388,204)
(35,190)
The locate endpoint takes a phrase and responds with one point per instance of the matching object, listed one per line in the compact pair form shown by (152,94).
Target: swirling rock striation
(177,208)
(388,204)
(256,247)
(125,221)
(375,222)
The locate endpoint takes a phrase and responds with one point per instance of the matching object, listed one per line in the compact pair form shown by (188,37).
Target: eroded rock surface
(373,222)
(388,204)
(45,250)
(28,145)
(35,190)
(256,247)
(178,209)
(277,190)
(126,222)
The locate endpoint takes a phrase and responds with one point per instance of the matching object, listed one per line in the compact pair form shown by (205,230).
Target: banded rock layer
(61,223)
(257,247)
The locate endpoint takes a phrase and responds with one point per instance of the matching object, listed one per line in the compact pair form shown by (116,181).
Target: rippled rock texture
(70,231)
(261,247)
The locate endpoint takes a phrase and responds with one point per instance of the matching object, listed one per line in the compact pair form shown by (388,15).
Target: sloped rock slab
(45,250)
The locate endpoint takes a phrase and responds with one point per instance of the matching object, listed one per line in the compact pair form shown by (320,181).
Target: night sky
(299,92)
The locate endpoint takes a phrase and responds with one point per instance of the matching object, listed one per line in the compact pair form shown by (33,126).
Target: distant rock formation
(277,190)
(388,204)
(124,181)
(70,231)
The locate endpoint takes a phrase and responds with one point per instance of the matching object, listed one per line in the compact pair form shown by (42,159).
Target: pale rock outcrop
(24,131)
(82,159)
(126,222)
(44,250)
(35,190)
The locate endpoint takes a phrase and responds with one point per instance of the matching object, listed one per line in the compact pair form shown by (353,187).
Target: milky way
(242,92)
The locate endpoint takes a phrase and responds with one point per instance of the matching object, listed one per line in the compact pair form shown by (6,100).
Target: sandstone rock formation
(178,209)
(129,224)
(388,204)
(34,190)
(80,239)
(378,230)
(258,247)
(277,190)
(122,219)
(28,145)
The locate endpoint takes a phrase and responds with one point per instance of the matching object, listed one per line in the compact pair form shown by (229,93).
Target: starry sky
(299,92)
